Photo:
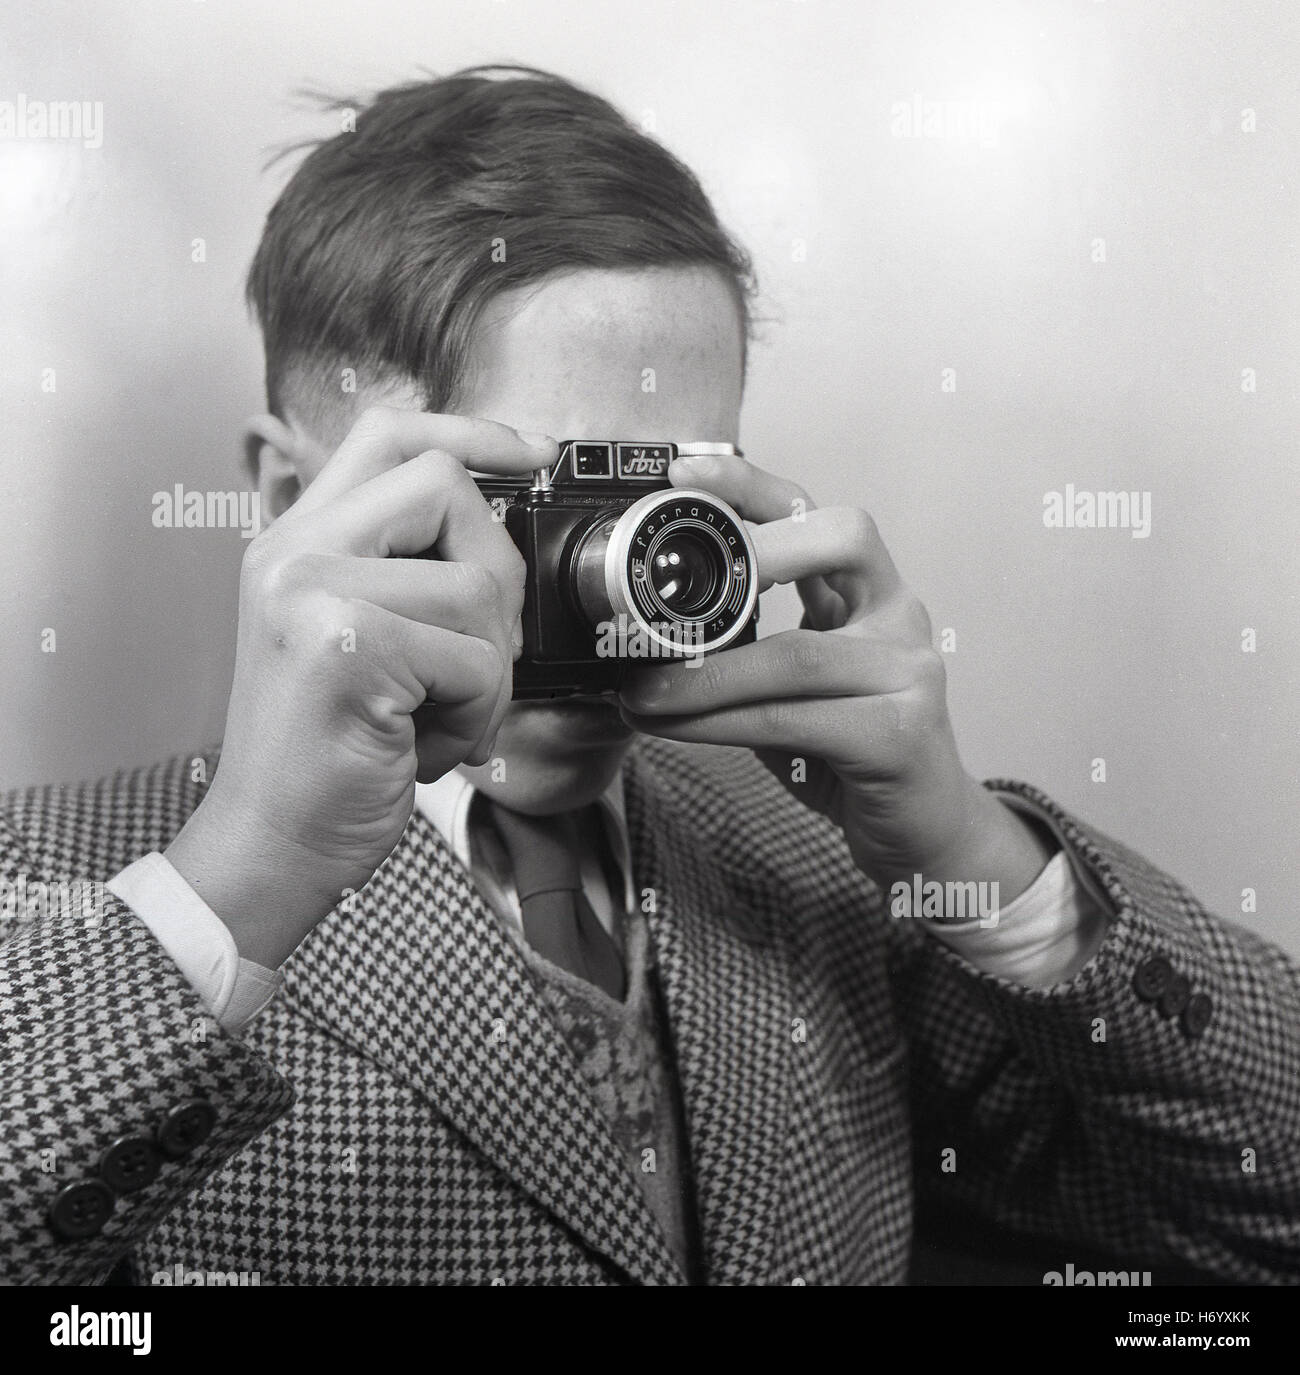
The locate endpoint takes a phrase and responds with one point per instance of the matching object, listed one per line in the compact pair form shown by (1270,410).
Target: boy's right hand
(343,636)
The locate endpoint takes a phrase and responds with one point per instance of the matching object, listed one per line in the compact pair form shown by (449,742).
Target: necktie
(558,921)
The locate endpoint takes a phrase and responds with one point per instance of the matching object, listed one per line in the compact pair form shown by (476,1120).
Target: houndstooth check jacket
(406,1111)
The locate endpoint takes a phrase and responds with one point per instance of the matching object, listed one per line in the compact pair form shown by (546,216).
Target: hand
(849,711)
(343,638)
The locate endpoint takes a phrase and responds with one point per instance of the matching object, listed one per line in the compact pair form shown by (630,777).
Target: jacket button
(1196,1015)
(80,1210)
(186,1126)
(1174,998)
(130,1164)
(1152,978)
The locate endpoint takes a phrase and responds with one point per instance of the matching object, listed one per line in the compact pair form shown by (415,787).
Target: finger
(462,597)
(758,495)
(834,542)
(824,608)
(383,437)
(460,683)
(795,663)
(808,725)
(764,499)
(429,503)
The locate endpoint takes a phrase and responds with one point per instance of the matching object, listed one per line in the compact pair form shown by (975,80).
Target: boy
(423,985)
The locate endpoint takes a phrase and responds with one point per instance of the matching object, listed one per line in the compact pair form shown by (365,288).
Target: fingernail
(537,441)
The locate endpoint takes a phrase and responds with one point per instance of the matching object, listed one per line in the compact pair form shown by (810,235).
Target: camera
(622,566)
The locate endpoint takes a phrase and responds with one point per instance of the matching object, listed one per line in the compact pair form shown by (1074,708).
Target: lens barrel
(677,569)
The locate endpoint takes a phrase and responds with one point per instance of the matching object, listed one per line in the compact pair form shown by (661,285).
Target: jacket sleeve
(1147,1109)
(118,1092)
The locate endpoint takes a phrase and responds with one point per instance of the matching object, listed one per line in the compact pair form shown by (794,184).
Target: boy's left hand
(858,694)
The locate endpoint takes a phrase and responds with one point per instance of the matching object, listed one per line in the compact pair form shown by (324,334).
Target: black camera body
(622,566)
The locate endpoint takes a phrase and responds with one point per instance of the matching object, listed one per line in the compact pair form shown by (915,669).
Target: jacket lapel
(725,975)
(420,976)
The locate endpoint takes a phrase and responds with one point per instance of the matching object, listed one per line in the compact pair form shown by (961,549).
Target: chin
(554,756)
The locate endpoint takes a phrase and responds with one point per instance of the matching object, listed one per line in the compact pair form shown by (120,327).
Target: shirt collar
(445,805)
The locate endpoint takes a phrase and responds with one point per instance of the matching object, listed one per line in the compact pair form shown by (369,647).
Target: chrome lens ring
(645,528)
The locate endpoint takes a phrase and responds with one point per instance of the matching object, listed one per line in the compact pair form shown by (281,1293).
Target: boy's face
(652,354)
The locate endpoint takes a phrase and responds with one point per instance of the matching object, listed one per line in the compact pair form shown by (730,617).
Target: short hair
(379,253)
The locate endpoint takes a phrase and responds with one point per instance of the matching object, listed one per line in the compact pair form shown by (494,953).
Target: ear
(272,457)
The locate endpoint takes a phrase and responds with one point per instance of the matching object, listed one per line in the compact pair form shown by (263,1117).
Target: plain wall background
(1124,123)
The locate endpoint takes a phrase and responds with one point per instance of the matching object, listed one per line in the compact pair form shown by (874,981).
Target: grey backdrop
(888,251)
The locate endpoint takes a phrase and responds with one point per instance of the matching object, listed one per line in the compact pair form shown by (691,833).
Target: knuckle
(486,663)
(507,578)
(930,670)
(919,618)
(515,567)
(374,420)
(439,466)
(270,574)
(920,716)
(257,559)
(858,527)
(804,655)
(475,585)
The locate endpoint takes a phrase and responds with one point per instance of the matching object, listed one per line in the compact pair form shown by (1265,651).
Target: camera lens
(685,573)
(675,571)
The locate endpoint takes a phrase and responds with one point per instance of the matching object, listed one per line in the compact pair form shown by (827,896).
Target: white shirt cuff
(1047,934)
(234,990)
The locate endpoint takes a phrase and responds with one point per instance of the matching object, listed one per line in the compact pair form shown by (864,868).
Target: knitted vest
(624,1053)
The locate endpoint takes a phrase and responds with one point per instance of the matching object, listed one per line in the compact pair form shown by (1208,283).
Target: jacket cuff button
(130,1164)
(1152,978)
(80,1210)
(185,1127)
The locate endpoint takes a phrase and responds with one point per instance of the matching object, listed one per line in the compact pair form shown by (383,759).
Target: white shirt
(1043,937)
(446,805)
